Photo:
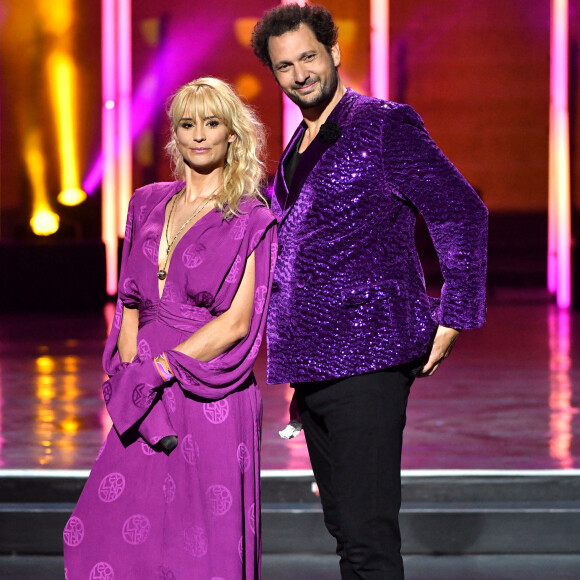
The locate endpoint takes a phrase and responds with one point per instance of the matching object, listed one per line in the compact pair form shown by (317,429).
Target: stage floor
(506,399)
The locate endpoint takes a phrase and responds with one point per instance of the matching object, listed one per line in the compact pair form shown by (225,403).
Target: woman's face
(203,142)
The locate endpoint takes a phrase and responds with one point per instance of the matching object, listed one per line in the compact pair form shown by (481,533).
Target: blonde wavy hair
(244,169)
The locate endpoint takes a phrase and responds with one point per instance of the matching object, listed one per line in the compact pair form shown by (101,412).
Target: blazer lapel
(280,187)
(309,159)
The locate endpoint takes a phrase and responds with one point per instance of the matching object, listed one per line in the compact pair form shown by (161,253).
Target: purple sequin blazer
(349,294)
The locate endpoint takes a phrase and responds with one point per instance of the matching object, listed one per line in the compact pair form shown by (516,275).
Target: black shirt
(291,163)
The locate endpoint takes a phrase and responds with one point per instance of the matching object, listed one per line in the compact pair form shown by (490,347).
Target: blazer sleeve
(457,219)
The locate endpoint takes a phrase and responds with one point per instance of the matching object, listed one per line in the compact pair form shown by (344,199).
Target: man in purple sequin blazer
(350,324)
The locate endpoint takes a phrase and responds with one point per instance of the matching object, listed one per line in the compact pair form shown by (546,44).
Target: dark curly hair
(289,17)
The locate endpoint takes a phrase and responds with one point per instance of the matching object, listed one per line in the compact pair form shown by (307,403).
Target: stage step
(442,512)
(325,567)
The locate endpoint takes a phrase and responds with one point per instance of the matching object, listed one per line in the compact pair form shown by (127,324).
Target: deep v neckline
(161,291)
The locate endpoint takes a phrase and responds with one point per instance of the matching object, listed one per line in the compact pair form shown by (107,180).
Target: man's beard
(324,96)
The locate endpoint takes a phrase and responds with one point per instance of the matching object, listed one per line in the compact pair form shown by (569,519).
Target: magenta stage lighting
(559,211)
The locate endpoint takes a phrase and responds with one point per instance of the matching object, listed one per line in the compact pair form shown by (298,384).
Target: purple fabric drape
(192,513)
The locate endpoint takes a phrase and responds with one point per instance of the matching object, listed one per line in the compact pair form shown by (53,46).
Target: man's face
(303,68)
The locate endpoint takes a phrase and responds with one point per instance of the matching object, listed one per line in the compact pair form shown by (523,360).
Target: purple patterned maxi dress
(192,514)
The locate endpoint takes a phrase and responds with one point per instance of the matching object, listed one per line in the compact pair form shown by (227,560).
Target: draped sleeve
(217,378)
(132,393)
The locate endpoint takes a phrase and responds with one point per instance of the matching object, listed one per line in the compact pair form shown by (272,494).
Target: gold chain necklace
(162,273)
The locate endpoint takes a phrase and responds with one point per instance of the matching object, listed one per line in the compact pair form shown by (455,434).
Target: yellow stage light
(72,196)
(62,74)
(249,86)
(243,30)
(45,364)
(151,31)
(56,16)
(44,223)
(69,426)
(348,31)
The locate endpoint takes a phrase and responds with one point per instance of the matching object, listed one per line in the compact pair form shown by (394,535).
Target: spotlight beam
(116,128)
(109,83)
(380,48)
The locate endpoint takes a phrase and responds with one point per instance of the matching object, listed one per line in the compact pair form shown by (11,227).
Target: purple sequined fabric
(349,294)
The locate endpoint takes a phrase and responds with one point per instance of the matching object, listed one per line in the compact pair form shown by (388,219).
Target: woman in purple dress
(174,492)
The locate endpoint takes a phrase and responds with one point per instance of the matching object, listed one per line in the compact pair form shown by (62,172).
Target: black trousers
(354,432)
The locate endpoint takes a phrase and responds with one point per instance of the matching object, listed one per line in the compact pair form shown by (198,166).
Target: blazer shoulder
(399,113)
(384,112)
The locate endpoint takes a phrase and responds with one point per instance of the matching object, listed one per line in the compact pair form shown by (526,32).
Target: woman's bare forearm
(127,341)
